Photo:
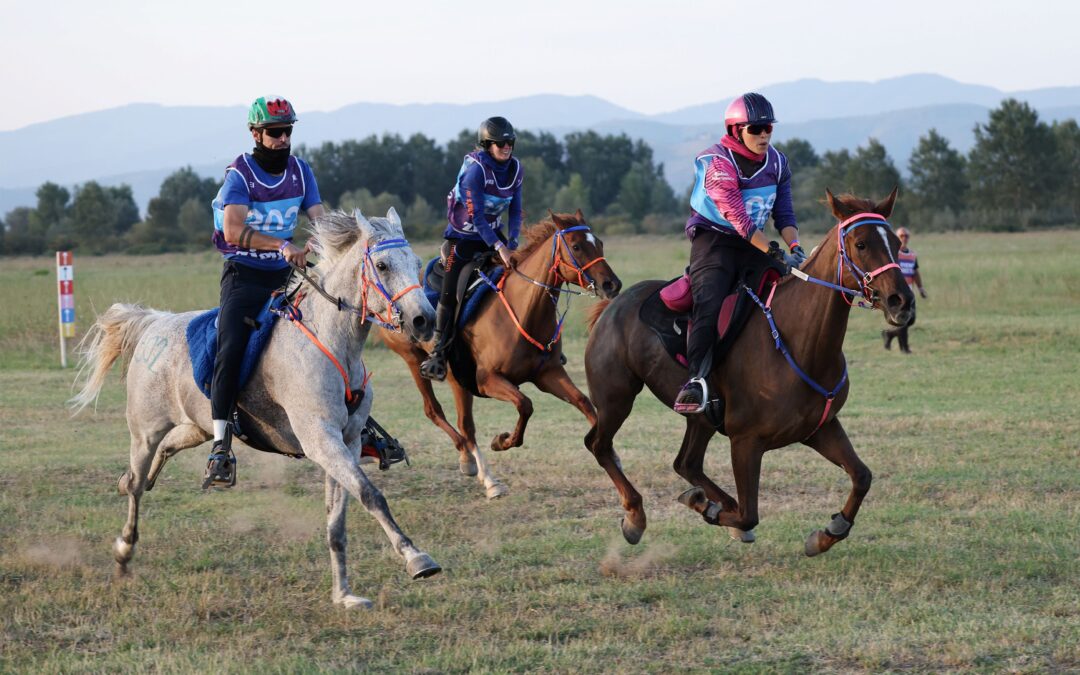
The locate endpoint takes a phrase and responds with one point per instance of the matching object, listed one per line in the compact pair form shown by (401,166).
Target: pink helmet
(749,108)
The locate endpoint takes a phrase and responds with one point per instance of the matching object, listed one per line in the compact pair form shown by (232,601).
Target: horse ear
(884,207)
(363,223)
(393,217)
(580,216)
(833,206)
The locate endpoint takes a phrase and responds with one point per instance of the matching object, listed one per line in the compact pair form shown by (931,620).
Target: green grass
(964,557)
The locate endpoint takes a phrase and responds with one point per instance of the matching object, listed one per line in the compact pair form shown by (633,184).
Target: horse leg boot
(434,367)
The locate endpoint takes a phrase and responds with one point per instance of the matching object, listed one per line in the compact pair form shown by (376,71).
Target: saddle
(471,292)
(667,310)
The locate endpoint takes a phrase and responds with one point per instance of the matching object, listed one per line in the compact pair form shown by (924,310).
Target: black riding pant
(461,252)
(715,261)
(244,292)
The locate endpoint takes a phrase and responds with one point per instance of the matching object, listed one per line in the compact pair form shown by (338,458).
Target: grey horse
(296,397)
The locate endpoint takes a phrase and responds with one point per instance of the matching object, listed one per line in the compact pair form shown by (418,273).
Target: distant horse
(296,397)
(514,338)
(768,403)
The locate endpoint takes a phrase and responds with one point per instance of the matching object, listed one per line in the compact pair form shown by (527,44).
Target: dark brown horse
(768,405)
(510,335)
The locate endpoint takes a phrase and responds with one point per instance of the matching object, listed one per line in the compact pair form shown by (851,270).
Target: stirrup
(376,445)
(220,468)
(684,404)
(434,367)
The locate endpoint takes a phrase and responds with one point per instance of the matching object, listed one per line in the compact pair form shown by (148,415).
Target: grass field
(965,556)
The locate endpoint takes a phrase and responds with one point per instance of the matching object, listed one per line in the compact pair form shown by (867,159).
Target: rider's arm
(722,186)
(514,227)
(783,211)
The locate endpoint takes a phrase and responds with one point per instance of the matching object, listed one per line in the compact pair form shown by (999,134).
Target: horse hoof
(496,490)
(422,566)
(815,544)
(467,467)
(499,443)
(632,533)
(694,498)
(745,536)
(355,601)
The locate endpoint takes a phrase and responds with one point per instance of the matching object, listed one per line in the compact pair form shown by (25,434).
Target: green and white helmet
(270,110)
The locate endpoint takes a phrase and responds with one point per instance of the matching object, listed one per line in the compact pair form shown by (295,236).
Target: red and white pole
(65,275)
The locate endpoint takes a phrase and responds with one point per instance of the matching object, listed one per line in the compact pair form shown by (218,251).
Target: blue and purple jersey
(483,191)
(725,200)
(274,203)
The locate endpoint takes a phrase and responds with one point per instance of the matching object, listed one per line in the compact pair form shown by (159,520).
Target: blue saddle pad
(472,299)
(202,344)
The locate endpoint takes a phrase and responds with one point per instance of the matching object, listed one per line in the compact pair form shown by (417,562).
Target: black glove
(798,255)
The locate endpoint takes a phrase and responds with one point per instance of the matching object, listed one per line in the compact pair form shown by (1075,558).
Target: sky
(65,57)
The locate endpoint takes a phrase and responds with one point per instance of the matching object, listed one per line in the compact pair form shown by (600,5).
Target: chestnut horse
(514,337)
(769,403)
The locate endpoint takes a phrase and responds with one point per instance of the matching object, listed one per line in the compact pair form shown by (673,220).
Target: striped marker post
(65,275)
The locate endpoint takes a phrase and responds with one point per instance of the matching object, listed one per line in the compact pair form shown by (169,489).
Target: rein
(557,240)
(864,278)
(368,280)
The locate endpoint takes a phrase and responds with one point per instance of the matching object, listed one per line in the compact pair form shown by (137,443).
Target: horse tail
(592,315)
(114,335)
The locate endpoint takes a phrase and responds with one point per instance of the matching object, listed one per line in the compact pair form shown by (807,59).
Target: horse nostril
(419,322)
(895,301)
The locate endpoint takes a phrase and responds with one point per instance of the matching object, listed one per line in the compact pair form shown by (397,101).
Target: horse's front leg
(832,443)
(337,499)
(498,387)
(322,442)
(706,497)
(556,382)
(463,400)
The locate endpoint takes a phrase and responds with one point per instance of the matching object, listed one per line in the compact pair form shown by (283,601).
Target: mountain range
(141,143)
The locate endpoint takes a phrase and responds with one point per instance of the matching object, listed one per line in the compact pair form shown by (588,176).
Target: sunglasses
(498,144)
(278,132)
(758,129)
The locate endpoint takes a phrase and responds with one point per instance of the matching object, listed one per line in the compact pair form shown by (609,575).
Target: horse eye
(861,246)
(381,266)
(576,247)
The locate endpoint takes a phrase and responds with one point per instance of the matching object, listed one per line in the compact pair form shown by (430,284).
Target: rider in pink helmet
(740,184)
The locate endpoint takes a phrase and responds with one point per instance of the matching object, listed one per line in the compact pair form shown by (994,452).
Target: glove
(790,263)
(798,255)
(512,244)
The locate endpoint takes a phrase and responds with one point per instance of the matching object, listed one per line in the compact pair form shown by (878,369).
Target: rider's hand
(922,292)
(798,255)
(508,257)
(791,262)
(294,255)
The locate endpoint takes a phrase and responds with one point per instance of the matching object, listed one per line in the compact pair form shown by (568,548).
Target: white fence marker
(65,275)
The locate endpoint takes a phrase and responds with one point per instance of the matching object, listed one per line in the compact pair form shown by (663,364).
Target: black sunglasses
(278,132)
(498,144)
(758,129)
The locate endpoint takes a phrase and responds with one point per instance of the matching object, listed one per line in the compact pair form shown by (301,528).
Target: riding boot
(434,367)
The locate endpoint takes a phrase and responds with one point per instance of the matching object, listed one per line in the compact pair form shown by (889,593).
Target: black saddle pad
(672,327)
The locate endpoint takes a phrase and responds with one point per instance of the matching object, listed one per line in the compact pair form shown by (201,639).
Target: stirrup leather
(691,408)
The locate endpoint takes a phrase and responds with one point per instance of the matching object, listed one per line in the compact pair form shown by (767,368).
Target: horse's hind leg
(463,400)
(337,499)
(832,443)
(148,452)
(613,407)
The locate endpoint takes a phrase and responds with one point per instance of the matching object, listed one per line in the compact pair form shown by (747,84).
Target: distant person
(909,265)
(255,215)
(488,185)
(739,183)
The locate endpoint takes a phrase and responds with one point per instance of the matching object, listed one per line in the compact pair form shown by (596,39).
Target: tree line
(1021,173)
